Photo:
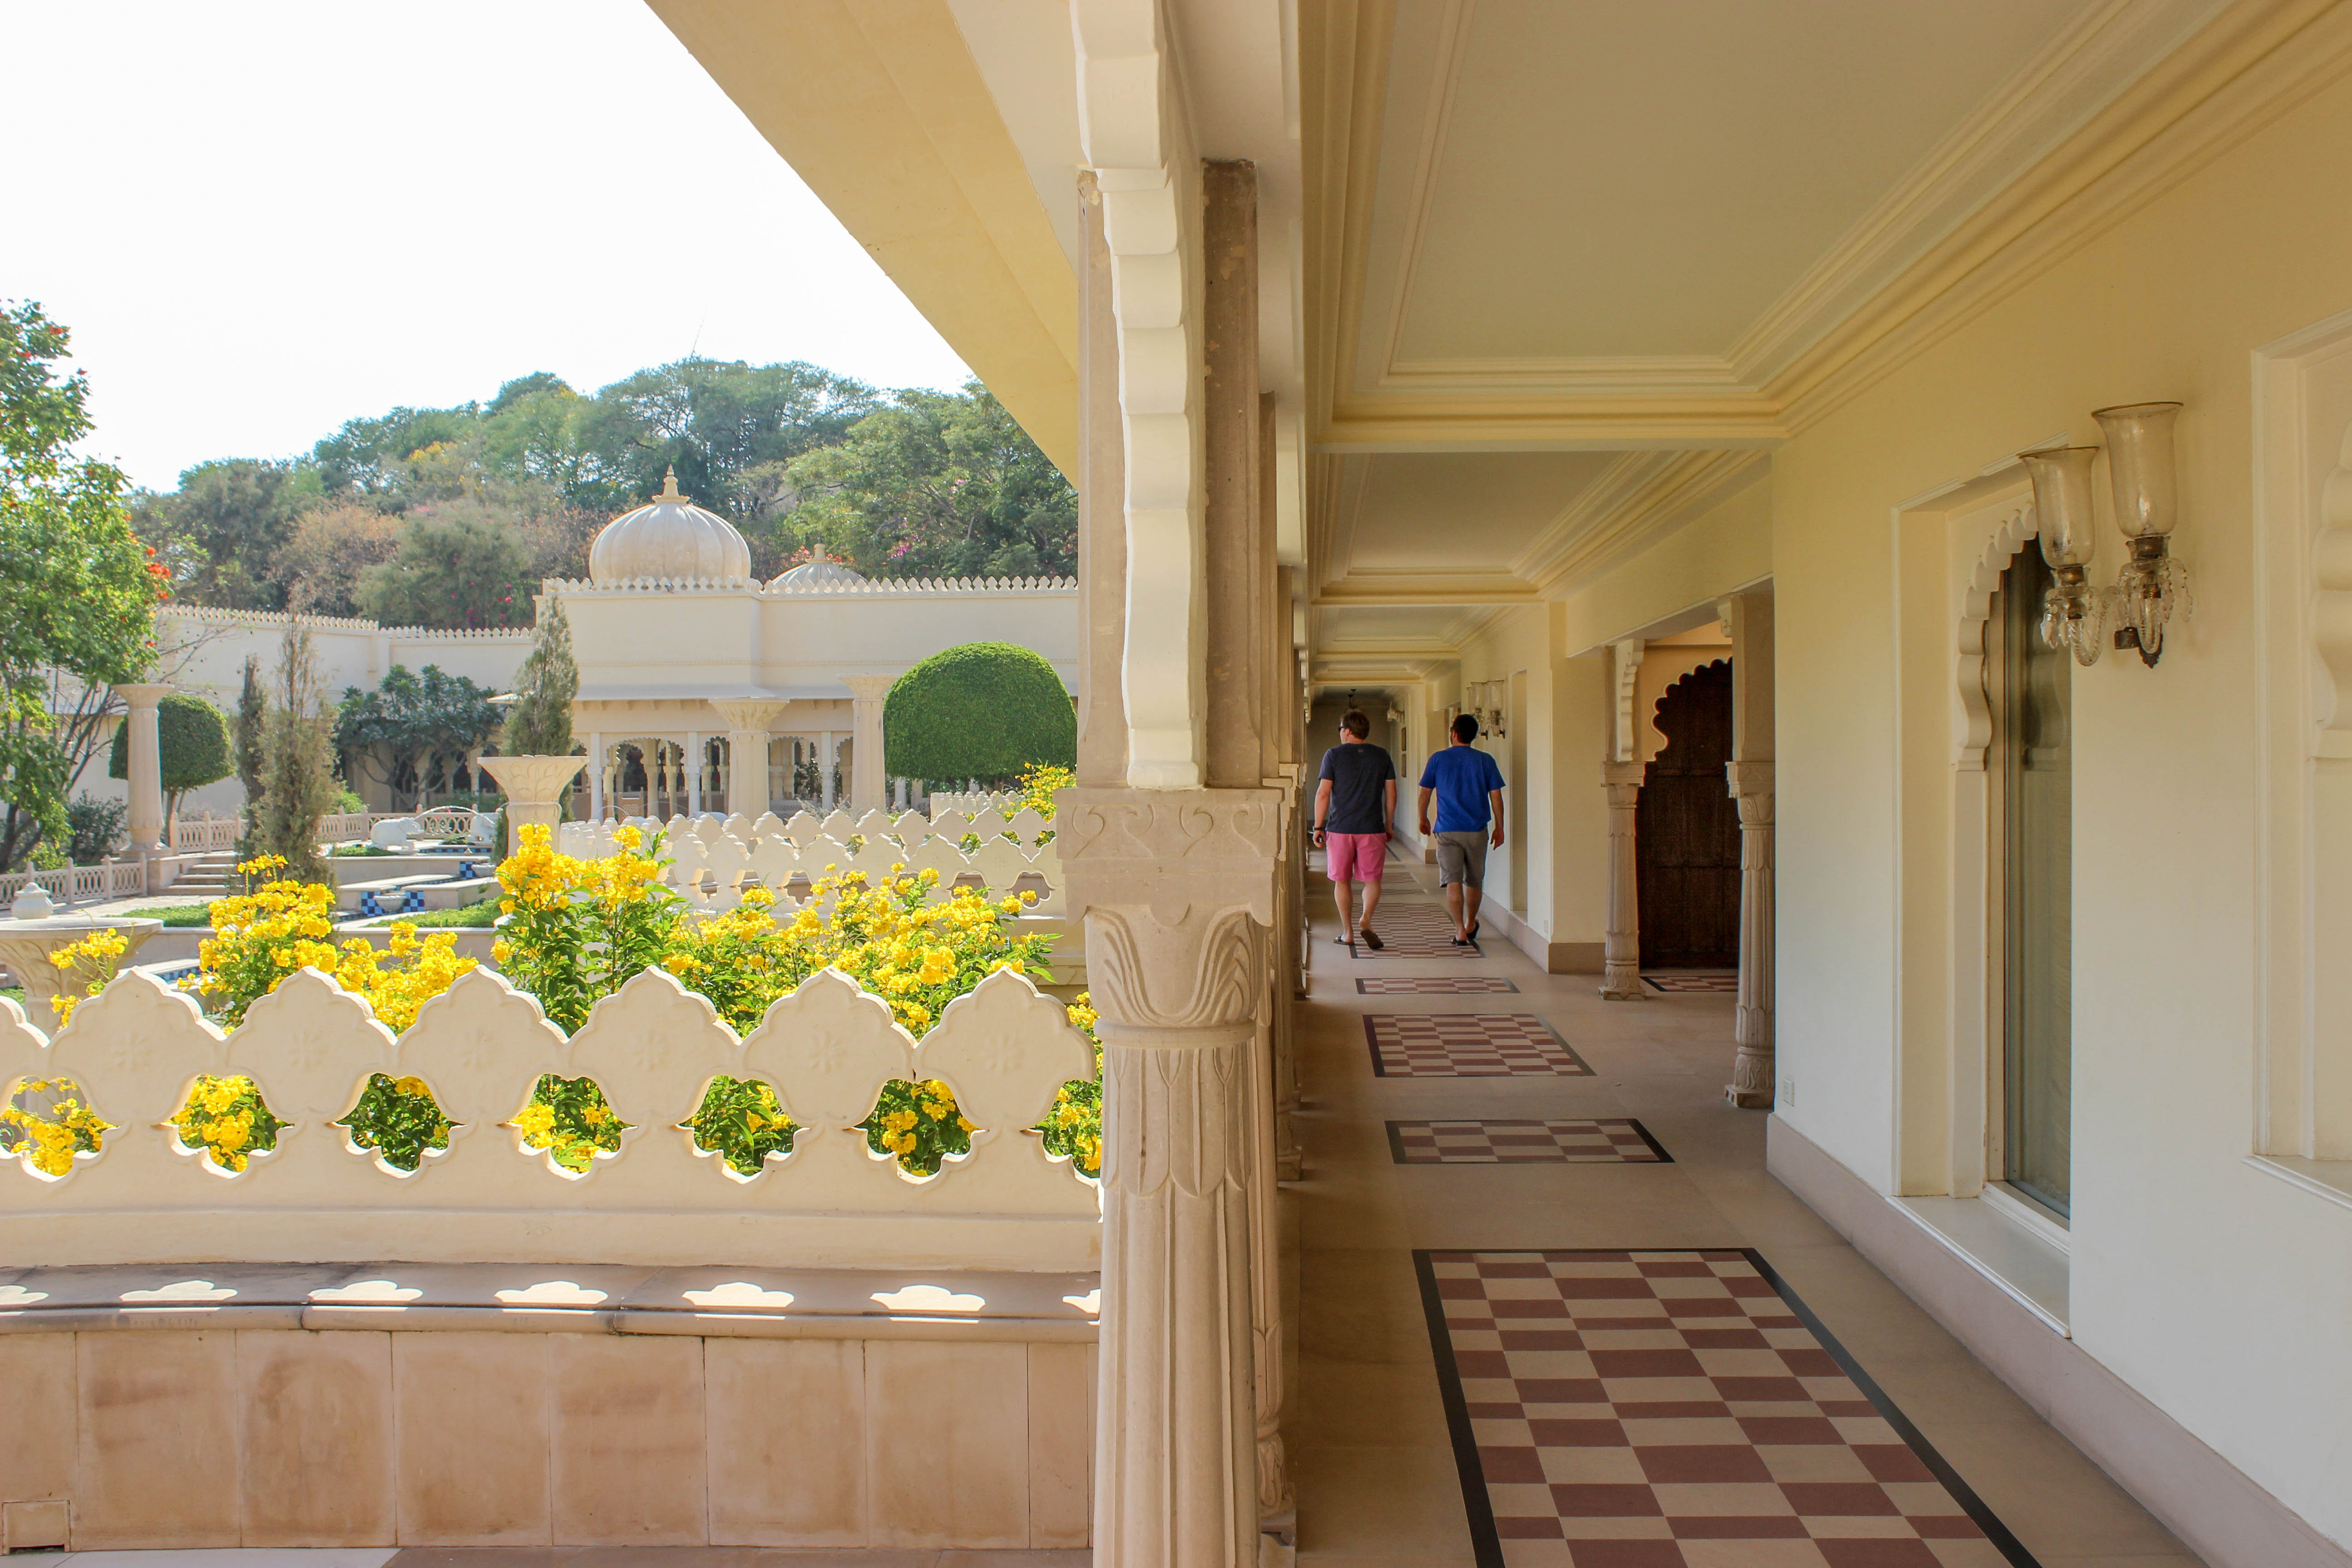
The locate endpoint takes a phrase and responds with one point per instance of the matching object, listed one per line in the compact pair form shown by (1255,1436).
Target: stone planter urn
(534,787)
(33,931)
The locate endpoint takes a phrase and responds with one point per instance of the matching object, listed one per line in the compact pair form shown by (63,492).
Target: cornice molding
(1670,495)
(1410,585)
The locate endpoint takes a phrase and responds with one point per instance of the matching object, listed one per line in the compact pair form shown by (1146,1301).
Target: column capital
(748,712)
(534,780)
(1617,774)
(869,687)
(144,694)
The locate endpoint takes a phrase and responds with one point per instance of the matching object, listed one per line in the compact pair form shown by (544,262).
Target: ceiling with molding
(1584,256)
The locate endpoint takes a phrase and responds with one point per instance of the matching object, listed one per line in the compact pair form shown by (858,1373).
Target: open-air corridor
(1376,1466)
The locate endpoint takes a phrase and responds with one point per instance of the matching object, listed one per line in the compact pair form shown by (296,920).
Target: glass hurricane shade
(2061,502)
(2139,465)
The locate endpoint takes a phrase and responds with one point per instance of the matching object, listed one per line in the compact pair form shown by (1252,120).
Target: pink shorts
(1354,856)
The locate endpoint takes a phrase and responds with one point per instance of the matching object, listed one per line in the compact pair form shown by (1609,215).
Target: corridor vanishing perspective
(1553,1311)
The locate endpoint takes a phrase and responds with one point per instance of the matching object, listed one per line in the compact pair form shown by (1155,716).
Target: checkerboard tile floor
(1415,930)
(1678,1409)
(1724,982)
(1608,1140)
(1468,1045)
(1433,984)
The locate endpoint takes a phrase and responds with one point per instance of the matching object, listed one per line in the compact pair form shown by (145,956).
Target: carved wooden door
(1686,830)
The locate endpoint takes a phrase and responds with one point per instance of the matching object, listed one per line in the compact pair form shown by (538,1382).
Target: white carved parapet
(826,1048)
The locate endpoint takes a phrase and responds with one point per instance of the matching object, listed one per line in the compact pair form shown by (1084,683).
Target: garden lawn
(178,915)
(483,914)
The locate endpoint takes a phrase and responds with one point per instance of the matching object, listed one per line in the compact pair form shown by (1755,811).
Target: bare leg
(1454,908)
(1342,894)
(1371,902)
(1470,898)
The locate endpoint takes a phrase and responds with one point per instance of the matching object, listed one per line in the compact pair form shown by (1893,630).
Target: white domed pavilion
(670,539)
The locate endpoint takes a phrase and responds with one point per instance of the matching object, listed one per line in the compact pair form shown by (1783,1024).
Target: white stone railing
(343,826)
(79,884)
(712,860)
(200,834)
(826,1049)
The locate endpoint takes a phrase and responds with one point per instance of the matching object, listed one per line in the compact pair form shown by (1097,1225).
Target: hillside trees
(913,483)
(76,590)
(939,484)
(453,569)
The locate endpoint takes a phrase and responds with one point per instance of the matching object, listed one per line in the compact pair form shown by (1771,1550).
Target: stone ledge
(555,1299)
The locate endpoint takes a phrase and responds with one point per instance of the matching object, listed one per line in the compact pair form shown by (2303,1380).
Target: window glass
(2031,731)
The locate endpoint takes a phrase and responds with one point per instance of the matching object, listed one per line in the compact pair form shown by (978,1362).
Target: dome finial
(669,485)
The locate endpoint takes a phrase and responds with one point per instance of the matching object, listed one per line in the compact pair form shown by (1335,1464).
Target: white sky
(260,219)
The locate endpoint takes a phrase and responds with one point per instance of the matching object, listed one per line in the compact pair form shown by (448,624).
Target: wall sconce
(2074,613)
(2148,503)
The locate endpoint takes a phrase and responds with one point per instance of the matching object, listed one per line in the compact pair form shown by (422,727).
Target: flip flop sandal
(1373,941)
(1463,941)
(1345,940)
(1474,932)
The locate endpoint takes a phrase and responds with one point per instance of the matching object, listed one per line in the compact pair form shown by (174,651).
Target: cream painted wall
(1726,547)
(1663,664)
(2215,1290)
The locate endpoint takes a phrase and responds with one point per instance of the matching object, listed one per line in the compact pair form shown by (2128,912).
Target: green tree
(193,744)
(413,728)
(250,734)
(297,784)
(78,591)
(984,710)
(459,571)
(540,723)
(939,484)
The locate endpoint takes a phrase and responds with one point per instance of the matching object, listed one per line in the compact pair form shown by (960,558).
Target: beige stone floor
(1375,1473)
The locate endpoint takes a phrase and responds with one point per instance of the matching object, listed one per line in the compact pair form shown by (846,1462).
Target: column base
(1620,984)
(1751,1084)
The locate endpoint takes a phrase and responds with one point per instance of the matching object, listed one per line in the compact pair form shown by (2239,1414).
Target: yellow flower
(411,1086)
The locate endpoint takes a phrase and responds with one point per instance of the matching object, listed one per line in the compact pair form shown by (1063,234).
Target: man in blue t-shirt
(1469,791)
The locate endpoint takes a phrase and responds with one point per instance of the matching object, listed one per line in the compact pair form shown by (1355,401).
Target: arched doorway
(1686,830)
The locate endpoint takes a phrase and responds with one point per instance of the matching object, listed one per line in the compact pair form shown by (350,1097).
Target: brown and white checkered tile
(1719,982)
(1468,1045)
(1606,1141)
(1433,984)
(1677,1409)
(1415,930)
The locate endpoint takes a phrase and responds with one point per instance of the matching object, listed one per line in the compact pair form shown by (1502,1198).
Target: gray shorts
(1462,858)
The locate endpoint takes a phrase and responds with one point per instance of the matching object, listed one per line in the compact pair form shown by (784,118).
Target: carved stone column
(1621,951)
(1177,890)
(535,787)
(1751,1069)
(747,754)
(867,692)
(145,767)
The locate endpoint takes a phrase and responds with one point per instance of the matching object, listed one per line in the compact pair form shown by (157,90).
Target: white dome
(817,572)
(669,537)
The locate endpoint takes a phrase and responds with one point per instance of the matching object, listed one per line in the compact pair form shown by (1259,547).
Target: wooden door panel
(1686,830)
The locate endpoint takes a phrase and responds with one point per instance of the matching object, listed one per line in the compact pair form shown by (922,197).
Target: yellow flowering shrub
(261,937)
(227,1118)
(568,1118)
(580,930)
(45,1123)
(1073,1129)
(399,1119)
(91,962)
(1038,784)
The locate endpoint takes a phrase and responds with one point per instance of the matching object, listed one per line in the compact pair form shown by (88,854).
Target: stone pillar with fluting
(867,692)
(145,764)
(1621,951)
(535,787)
(1751,1068)
(1177,891)
(747,754)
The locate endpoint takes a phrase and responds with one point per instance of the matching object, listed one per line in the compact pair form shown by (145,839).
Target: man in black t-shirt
(1353,808)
